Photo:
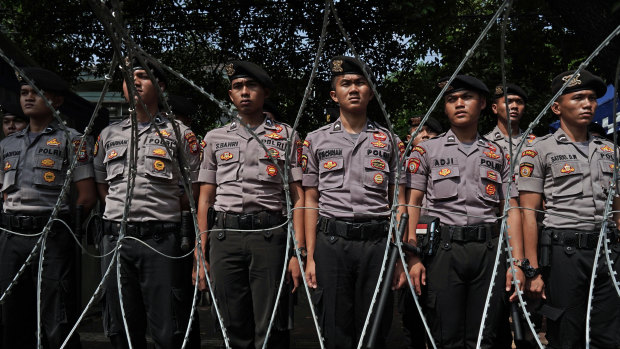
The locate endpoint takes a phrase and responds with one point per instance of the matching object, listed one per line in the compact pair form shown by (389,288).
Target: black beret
(12,108)
(44,80)
(463,82)
(181,105)
(243,69)
(434,125)
(154,66)
(582,81)
(512,90)
(341,65)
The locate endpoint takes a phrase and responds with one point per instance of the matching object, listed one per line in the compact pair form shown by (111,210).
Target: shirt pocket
(331,173)
(227,165)
(607,173)
(10,171)
(445,182)
(114,161)
(567,179)
(267,170)
(158,162)
(48,171)
(490,185)
(376,173)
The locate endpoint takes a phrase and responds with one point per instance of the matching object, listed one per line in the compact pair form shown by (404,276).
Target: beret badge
(230,69)
(499,90)
(574,82)
(337,66)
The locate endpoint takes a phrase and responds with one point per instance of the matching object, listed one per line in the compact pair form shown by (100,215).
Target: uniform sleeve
(208,165)
(192,149)
(1,165)
(295,172)
(309,164)
(395,162)
(531,170)
(99,167)
(506,180)
(417,169)
(84,165)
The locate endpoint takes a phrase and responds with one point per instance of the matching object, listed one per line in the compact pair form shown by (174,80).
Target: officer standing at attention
(13,118)
(349,174)
(152,284)
(242,204)
(571,170)
(34,167)
(465,176)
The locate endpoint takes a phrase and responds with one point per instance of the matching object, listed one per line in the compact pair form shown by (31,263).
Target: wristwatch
(302,252)
(527,268)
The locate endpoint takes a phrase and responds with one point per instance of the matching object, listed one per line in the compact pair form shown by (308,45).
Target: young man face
(145,87)
(12,124)
(247,95)
(576,108)
(352,92)
(34,105)
(424,134)
(463,108)
(516,107)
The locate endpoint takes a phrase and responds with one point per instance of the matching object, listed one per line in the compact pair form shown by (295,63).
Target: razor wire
(610,263)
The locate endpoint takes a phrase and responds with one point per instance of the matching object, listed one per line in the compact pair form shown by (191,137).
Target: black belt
(20,222)
(469,233)
(141,229)
(371,229)
(249,221)
(581,239)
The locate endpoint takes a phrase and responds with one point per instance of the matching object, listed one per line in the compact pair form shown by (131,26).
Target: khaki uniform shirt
(156,195)
(247,179)
(352,176)
(33,173)
(459,180)
(498,137)
(573,183)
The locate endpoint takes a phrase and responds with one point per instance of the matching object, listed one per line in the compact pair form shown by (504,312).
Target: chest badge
(607,149)
(490,189)
(378,178)
(112,154)
(49,176)
(164,133)
(378,164)
(159,165)
(444,172)
(159,152)
(491,154)
(380,136)
(7,166)
(47,162)
(492,175)
(274,135)
(273,152)
(379,144)
(226,156)
(567,169)
(272,170)
(330,164)
(53,142)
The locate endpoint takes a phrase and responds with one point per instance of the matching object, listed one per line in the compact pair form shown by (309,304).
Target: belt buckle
(355,230)
(582,240)
(245,221)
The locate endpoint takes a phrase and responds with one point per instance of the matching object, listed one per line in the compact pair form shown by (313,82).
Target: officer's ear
(555,107)
(494,108)
(332,94)
(267,92)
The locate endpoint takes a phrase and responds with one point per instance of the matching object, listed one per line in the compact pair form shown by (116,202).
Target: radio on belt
(427,232)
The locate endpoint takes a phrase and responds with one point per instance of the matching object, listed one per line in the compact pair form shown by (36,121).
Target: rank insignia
(378,164)
(607,149)
(380,136)
(330,164)
(444,172)
(531,138)
(166,133)
(413,165)
(273,152)
(53,142)
(490,188)
(526,169)
(304,163)
(419,149)
(451,139)
(226,156)
(491,147)
(378,178)
(279,128)
(112,154)
(306,143)
(7,166)
(491,154)
(159,165)
(159,152)
(379,144)
(272,170)
(567,169)
(531,153)
(49,177)
(47,162)
(492,175)
(96,150)
(274,135)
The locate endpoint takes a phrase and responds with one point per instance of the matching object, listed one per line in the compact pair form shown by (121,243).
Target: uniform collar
(268,125)
(370,126)
(158,119)
(561,136)
(51,127)
(497,135)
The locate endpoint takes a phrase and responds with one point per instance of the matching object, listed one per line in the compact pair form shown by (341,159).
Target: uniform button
(332,238)
(569,248)
(220,234)
(446,245)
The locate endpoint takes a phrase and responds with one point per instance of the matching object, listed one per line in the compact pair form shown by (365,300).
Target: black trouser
(458,278)
(567,283)
(347,272)
(58,290)
(413,327)
(152,289)
(246,267)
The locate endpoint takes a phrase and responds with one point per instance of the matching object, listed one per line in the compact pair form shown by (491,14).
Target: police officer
(464,176)
(572,171)
(242,190)
(13,118)
(349,174)
(151,283)
(430,129)
(34,167)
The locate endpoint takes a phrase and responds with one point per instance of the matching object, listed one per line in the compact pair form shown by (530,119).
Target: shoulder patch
(530,153)
(419,149)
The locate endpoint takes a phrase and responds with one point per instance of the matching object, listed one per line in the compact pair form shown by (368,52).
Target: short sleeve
(295,157)
(193,149)
(84,164)
(531,170)
(417,169)
(309,164)
(208,165)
